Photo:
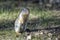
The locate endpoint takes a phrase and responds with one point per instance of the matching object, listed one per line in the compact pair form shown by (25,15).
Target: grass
(38,18)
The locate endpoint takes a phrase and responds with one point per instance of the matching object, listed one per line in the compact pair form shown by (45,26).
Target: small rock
(49,38)
(28,37)
(56,38)
(49,34)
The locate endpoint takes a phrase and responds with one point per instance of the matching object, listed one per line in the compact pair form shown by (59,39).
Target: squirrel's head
(25,11)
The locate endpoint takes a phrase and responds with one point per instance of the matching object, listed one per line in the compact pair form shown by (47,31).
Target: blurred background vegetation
(43,14)
(44,11)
